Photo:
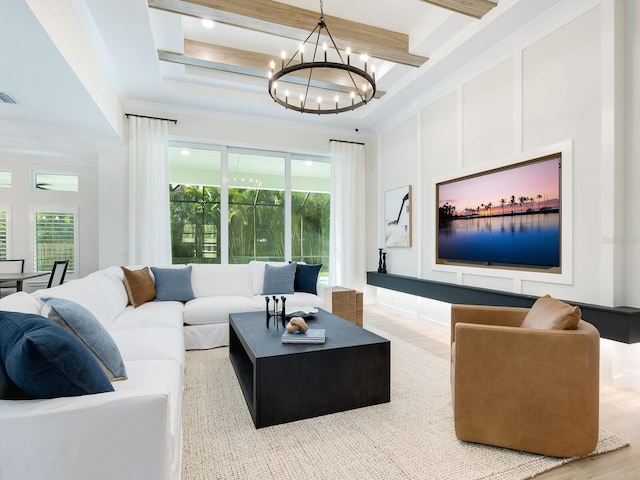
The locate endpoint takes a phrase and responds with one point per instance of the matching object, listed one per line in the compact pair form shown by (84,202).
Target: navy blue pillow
(8,389)
(306,278)
(173,284)
(46,361)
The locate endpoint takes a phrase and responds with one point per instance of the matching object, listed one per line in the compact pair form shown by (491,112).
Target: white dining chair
(10,266)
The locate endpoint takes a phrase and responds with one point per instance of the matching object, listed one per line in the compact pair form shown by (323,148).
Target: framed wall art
(397,217)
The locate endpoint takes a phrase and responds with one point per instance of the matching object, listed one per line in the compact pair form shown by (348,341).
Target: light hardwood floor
(619,408)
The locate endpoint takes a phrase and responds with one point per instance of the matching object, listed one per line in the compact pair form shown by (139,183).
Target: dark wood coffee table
(287,382)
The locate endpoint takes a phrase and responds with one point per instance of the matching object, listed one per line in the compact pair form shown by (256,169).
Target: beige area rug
(412,437)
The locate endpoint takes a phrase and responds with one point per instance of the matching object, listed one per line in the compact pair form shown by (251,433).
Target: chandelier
(349,87)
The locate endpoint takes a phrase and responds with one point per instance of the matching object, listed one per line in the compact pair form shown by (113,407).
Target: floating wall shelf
(621,324)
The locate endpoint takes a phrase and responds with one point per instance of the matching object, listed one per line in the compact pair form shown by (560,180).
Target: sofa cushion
(278,279)
(210,280)
(139,285)
(45,360)
(102,293)
(548,313)
(149,315)
(82,324)
(20,302)
(156,343)
(173,284)
(306,278)
(207,310)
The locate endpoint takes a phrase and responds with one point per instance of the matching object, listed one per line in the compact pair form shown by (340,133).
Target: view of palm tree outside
(255,207)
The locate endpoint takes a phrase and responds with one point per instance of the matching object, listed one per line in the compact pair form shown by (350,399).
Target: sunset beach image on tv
(506,217)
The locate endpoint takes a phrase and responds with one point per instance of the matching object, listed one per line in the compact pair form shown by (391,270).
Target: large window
(237,205)
(54,239)
(194,194)
(256,207)
(310,199)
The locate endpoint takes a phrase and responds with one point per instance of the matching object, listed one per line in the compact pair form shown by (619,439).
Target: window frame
(225,152)
(64,209)
(36,172)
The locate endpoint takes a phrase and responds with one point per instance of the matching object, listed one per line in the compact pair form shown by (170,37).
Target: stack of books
(312,335)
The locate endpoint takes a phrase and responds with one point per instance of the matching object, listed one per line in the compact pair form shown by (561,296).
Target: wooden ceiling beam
(253,64)
(292,22)
(472,8)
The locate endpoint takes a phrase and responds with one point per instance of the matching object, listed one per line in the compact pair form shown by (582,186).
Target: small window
(58,182)
(5,179)
(54,239)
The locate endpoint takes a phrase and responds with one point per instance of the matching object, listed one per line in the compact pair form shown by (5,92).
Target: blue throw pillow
(306,278)
(278,279)
(173,284)
(45,360)
(83,325)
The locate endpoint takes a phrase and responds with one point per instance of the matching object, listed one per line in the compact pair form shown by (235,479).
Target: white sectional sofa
(135,431)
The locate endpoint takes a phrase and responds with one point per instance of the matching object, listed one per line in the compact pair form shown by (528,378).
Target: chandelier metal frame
(361,90)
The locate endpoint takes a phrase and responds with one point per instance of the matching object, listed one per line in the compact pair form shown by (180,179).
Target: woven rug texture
(412,437)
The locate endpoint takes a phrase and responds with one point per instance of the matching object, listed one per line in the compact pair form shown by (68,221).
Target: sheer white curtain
(347,247)
(149,224)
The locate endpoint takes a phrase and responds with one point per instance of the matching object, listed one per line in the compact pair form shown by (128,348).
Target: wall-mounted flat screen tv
(505,218)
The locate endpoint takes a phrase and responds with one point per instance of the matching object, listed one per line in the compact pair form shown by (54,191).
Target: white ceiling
(61,113)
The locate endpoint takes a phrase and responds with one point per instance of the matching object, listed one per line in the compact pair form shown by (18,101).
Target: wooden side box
(347,304)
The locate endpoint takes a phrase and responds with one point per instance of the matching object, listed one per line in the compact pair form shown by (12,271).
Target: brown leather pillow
(551,314)
(139,285)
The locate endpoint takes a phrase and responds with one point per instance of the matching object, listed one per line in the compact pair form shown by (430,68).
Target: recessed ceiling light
(207,23)
(184,152)
(308,163)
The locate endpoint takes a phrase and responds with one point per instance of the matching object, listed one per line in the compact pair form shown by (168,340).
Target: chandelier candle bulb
(324,49)
(348,55)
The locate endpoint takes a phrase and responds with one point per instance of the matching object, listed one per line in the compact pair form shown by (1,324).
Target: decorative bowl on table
(303,312)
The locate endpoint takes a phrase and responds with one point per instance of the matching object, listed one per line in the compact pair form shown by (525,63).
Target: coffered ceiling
(158,56)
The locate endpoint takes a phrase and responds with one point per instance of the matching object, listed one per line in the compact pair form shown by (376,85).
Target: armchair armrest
(486,315)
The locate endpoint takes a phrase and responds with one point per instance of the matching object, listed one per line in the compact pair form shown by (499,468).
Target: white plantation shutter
(54,239)
(3,235)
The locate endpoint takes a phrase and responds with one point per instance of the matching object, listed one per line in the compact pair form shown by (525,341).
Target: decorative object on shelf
(384,262)
(356,85)
(297,324)
(276,313)
(379,260)
(397,217)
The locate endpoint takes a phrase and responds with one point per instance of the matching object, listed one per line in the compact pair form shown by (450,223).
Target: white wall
(21,198)
(399,160)
(564,85)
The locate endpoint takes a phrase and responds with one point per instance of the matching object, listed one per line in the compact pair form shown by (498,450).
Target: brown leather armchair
(522,388)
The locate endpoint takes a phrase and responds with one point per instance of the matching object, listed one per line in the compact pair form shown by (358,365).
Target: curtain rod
(152,118)
(346,141)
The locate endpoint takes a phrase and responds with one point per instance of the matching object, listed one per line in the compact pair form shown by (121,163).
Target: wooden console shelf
(621,324)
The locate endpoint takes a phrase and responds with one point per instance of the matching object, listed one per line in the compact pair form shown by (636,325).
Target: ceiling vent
(6,98)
